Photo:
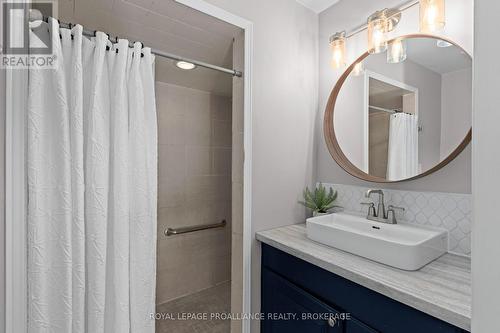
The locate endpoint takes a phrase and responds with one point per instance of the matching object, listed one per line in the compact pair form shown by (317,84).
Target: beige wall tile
(194,188)
(220,107)
(202,213)
(237,208)
(224,187)
(221,161)
(236,325)
(197,261)
(237,275)
(197,103)
(237,186)
(237,157)
(171,192)
(221,133)
(171,162)
(222,269)
(171,99)
(171,217)
(238,114)
(198,130)
(198,160)
(200,188)
(170,253)
(171,129)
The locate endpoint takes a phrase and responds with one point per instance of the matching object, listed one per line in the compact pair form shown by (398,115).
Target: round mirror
(404,113)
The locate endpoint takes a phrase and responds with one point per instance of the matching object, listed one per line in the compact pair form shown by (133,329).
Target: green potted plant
(320,201)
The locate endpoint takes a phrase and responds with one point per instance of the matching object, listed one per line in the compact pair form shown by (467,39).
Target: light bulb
(185,65)
(397,51)
(337,44)
(432,15)
(377,30)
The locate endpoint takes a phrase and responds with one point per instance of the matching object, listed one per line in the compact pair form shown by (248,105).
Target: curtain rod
(384,109)
(91,33)
(404,6)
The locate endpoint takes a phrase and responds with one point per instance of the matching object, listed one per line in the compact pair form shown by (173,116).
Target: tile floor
(213,300)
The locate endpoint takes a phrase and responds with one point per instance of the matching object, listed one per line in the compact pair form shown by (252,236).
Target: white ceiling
(318,5)
(378,87)
(164,25)
(442,60)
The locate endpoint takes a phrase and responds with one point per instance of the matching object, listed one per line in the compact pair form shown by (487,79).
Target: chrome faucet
(380,214)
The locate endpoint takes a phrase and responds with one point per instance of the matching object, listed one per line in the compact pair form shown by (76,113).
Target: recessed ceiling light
(185,65)
(443,43)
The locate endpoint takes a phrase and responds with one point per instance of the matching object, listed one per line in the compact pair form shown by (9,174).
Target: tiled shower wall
(451,211)
(194,187)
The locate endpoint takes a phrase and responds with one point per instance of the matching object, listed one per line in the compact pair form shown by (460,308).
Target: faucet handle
(371,208)
(391,214)
(392,207)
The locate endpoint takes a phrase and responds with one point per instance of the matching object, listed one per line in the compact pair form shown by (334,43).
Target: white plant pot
(316,213)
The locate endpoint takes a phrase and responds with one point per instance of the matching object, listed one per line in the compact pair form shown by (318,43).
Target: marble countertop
(441,289)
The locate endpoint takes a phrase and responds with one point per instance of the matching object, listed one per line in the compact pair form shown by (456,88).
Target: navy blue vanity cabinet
(291,304)
(293,289)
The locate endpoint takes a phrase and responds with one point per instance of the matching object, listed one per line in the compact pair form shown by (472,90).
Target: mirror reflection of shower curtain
(402,157)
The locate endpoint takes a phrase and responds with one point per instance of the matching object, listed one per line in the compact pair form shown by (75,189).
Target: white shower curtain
(402,159)
(92,173)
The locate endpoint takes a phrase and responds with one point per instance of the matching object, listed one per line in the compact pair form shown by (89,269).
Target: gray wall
(346,14)
(456,103)
(486,163)
(284,110)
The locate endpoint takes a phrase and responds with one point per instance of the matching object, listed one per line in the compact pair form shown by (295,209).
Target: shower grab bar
(184,230)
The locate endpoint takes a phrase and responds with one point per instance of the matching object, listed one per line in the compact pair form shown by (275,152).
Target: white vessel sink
(401,245)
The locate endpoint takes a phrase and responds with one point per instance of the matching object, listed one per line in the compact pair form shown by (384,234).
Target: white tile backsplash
(451,211)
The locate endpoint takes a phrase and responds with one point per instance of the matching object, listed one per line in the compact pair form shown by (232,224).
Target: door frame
(16,296)
(366,108)
(16,282)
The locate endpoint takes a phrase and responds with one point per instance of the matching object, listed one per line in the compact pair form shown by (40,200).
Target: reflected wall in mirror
(398,121)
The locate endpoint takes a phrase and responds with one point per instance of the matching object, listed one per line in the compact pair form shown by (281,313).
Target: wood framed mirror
(389,122)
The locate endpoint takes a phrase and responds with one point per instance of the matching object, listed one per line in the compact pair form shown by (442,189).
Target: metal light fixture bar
(362,27)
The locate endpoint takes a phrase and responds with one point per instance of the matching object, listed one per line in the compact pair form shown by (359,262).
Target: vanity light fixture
(396,52)
(432,15)
(337,44)
(185,65)
(377,29)
(379,24)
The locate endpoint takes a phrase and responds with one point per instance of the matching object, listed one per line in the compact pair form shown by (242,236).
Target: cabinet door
(355,326)
(289,309)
